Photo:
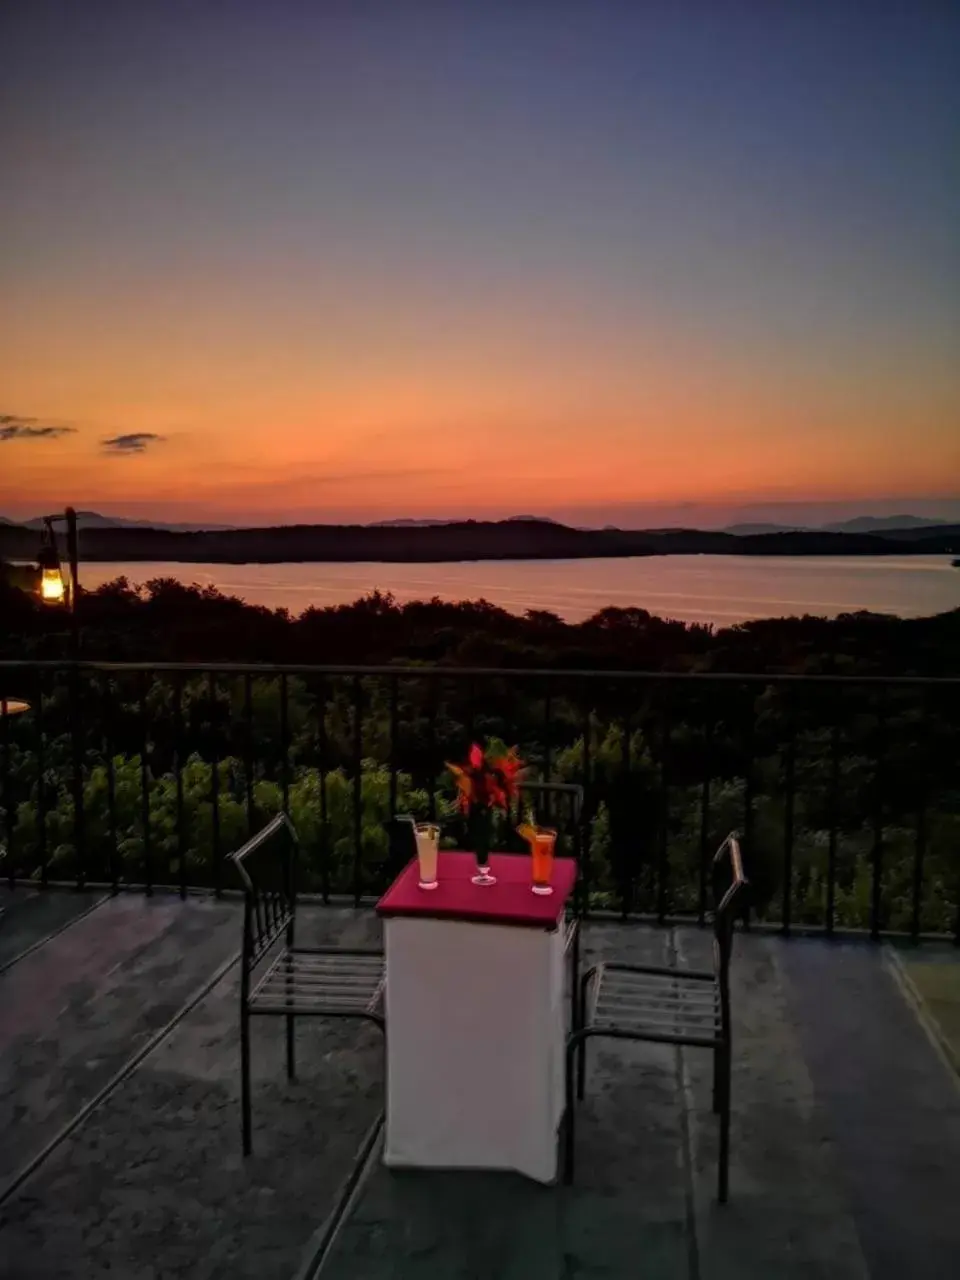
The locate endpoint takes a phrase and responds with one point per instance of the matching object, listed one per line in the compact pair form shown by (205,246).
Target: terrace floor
(121,1147)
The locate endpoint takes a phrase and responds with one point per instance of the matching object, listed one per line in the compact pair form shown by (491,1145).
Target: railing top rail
(439,671)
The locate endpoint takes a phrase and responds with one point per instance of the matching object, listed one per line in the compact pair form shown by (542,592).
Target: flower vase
(480,830)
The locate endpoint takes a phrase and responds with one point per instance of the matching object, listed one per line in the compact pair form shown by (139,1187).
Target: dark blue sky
(678,250)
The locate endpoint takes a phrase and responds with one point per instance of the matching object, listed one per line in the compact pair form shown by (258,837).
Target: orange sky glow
(256,431)
(413,276)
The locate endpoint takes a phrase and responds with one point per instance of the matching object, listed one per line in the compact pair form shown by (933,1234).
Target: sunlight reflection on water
(718,589)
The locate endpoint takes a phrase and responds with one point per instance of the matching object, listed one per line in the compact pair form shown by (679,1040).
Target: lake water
(717,589)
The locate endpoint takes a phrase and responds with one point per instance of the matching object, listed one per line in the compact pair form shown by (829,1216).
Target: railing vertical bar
(7,801)
(627,876)
(284,745)
(178,780)
(434,690)
(323,766)
(587,815)
(145,784)
(834,807)
(664,816)
(876,889)
(108,752)
(955,719)
(920,848)
(357,789)
(41,785)
(248,751)
(214,783)
(705,822)
(515,815)
(547,734)
(789,785)
(79,799)
(749,787)
(586,761)
(920,842)
(394,735)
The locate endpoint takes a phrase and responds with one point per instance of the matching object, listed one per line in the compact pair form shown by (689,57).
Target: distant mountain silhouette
(749,530)
(429,524)
(465,540)
(859,524)
(406,524)
(905,525)
(94,520)
(883,524)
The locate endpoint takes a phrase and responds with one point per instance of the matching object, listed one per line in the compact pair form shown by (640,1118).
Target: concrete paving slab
(154,1182)
(30,916)
(788,1215)
(892,1105)
(78,1008)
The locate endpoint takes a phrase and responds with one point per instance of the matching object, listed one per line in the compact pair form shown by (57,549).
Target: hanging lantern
(52,587)
(13,706)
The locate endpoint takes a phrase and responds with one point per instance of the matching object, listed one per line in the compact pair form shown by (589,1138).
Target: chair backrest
(266,865)
(730,893)
(556,804)
(560,805)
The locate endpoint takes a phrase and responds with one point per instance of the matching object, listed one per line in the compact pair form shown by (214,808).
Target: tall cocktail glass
(543,842)
(428,852)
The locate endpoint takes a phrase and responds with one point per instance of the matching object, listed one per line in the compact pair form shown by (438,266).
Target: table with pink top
(476,1017)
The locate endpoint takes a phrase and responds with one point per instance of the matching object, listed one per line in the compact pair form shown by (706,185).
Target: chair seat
(320,982)
(670,1005)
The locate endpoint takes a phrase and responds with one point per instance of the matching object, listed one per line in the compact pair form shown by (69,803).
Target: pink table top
(510,901)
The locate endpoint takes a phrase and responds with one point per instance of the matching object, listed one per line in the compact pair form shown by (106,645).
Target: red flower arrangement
(487,781)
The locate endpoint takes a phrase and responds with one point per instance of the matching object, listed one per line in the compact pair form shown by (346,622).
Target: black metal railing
(846,789)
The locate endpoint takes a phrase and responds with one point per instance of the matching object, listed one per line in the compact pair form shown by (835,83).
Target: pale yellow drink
(428,851)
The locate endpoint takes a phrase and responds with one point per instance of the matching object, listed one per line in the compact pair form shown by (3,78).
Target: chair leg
(724,1158)
(716,1080)
(245,1081)
(575,983)
(291,1063)
(569,1118)
(582,1046)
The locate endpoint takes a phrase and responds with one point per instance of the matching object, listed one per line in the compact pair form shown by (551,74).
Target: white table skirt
(475,1045)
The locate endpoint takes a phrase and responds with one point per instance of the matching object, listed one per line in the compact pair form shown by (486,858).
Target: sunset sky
(275,261)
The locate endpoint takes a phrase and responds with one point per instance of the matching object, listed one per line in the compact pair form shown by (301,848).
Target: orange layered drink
(542,842)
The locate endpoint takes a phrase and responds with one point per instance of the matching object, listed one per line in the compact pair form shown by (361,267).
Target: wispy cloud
(14,426)
(133,442)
